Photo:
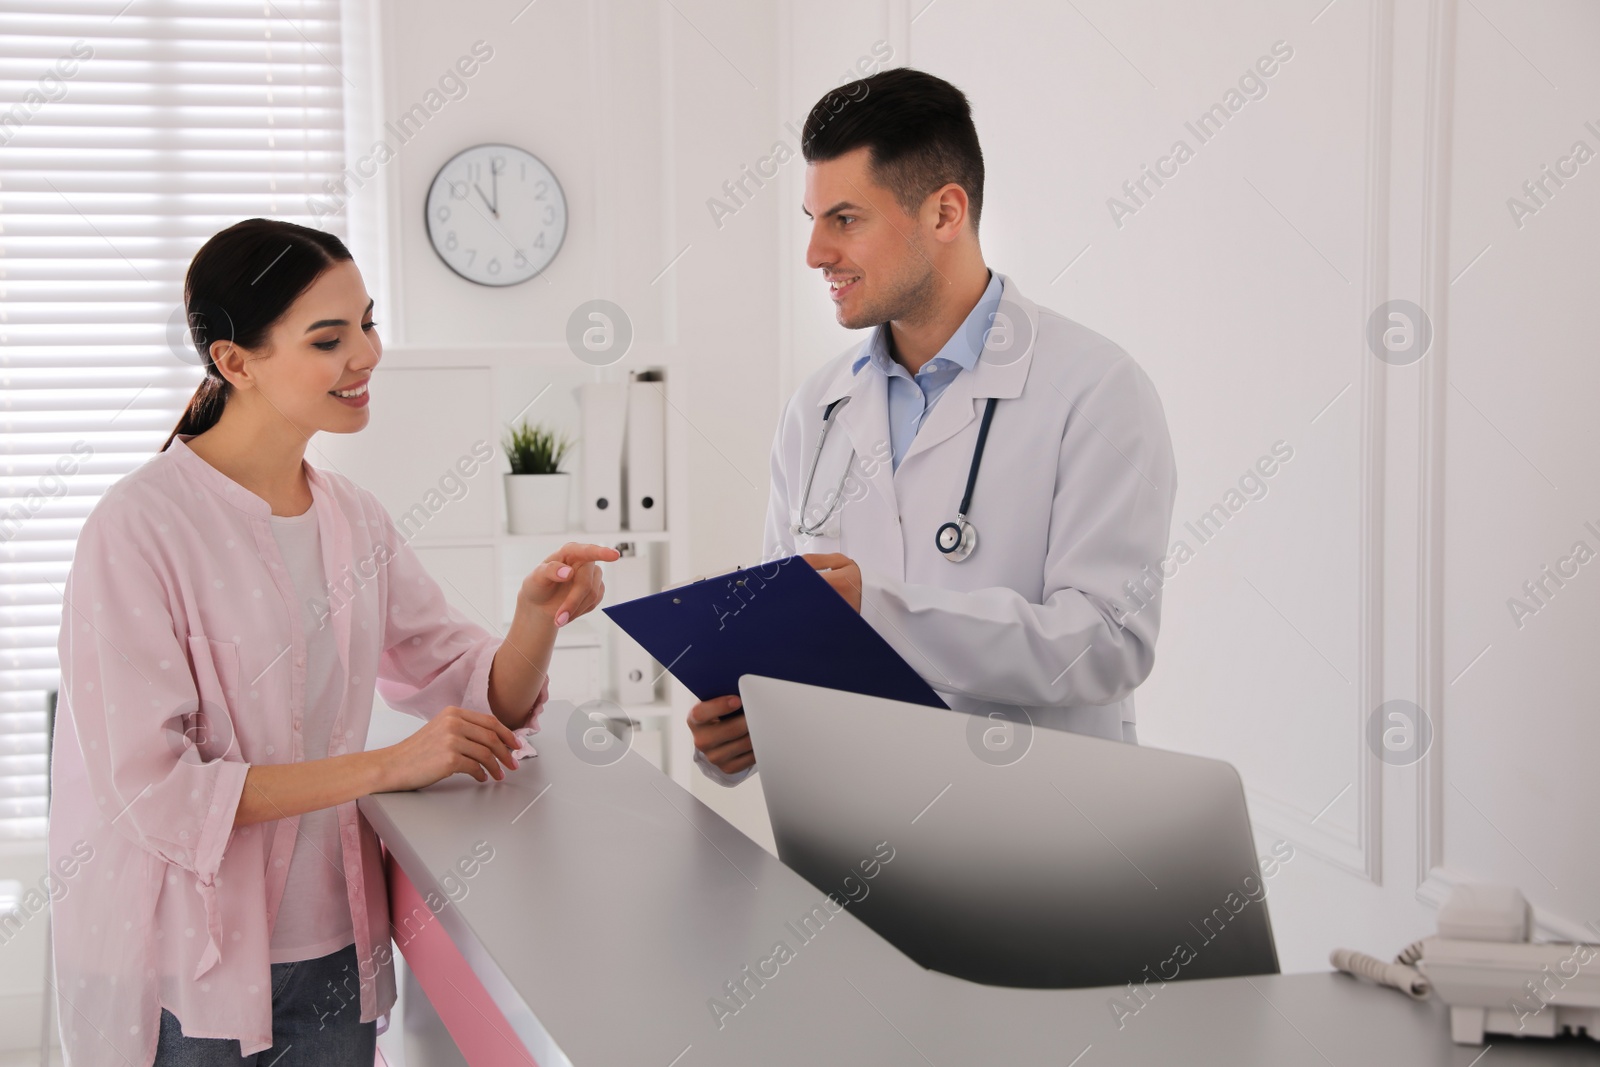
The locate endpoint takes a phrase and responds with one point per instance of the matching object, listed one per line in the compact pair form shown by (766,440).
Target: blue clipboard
(779,620)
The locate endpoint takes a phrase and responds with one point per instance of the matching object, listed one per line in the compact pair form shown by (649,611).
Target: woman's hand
(454,741)
(568,584)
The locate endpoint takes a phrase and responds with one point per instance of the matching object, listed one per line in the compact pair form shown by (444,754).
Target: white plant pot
(537,503)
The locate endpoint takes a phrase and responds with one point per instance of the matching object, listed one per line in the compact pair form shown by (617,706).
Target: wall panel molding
(1360,852)
(1375,289)
(901,14)
(1431,454)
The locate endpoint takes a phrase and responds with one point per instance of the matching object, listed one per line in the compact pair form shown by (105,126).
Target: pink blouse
(183,662)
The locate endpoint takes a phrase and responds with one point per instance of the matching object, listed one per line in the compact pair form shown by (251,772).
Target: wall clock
(496,214)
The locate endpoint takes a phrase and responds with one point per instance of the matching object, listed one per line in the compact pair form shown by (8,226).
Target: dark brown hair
(239,284)
(918,129)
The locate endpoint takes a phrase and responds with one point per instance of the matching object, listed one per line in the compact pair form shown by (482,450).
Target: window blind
(129,133)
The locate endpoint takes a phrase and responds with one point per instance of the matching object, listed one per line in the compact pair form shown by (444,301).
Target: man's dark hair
(917,127)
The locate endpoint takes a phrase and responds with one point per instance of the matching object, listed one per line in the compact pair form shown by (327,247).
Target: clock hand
(494,175)
(486,203)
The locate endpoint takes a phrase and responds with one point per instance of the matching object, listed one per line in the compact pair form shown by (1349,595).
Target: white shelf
(597,537)
(644,712)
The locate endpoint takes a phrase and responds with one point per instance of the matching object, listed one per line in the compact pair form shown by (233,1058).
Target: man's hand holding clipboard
(777,620)
(718,725)
(841,572)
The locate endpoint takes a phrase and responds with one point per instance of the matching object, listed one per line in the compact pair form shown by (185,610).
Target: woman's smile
(356,396)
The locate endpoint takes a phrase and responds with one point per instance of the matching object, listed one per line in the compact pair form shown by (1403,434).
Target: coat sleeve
(433,655)
(149,705)
(1086,643)
(778,541)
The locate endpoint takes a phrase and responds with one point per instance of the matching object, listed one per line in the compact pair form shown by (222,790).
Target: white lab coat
(1073,501)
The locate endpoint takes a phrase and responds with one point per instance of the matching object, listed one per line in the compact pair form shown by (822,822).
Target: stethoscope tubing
(977,457)
(813,529)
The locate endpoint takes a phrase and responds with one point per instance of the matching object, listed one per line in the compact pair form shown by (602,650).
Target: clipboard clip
(723,574)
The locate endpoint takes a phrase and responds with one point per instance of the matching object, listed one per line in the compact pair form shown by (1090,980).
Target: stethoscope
(955,540)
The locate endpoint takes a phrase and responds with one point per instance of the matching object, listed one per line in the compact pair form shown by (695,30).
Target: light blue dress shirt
(912,397)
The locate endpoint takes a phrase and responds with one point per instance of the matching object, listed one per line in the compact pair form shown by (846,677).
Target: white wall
(638,114)
(1505,440)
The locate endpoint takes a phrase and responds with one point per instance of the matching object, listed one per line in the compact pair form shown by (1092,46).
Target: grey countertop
(615,906)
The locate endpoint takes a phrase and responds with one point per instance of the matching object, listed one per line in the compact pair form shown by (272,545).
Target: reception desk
(595,914)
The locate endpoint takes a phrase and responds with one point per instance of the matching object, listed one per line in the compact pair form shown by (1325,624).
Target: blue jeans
(316,1022)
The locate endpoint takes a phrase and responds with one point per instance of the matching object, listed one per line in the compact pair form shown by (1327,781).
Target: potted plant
(536,490)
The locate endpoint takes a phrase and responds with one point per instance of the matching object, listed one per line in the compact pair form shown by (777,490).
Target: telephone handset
(1482,964)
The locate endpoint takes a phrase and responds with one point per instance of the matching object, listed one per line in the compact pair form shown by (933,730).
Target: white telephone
(1482,965)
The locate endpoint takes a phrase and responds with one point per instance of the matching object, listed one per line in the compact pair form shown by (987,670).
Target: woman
(229,613)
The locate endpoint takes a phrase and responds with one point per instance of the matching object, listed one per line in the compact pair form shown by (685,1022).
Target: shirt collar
(964,347)
(226,487)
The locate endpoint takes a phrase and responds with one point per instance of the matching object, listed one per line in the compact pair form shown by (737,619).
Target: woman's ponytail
(239,284)
(205,407)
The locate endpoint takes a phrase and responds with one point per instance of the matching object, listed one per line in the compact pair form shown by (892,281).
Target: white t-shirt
(314,916)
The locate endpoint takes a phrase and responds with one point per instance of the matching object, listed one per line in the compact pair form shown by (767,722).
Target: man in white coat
(1051,618)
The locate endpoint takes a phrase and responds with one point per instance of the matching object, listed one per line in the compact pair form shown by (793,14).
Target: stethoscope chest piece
(956,540)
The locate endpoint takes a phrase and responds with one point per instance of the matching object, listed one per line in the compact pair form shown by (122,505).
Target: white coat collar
(1001,372)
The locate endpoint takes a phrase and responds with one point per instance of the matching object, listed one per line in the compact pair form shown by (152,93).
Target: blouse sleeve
(149,707)
(433,656)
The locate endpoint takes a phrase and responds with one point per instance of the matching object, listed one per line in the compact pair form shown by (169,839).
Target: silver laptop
(1012,855)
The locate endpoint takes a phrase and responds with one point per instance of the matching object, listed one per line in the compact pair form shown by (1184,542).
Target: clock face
(496,214)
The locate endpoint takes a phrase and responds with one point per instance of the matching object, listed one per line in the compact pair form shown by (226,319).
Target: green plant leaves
(535,449)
